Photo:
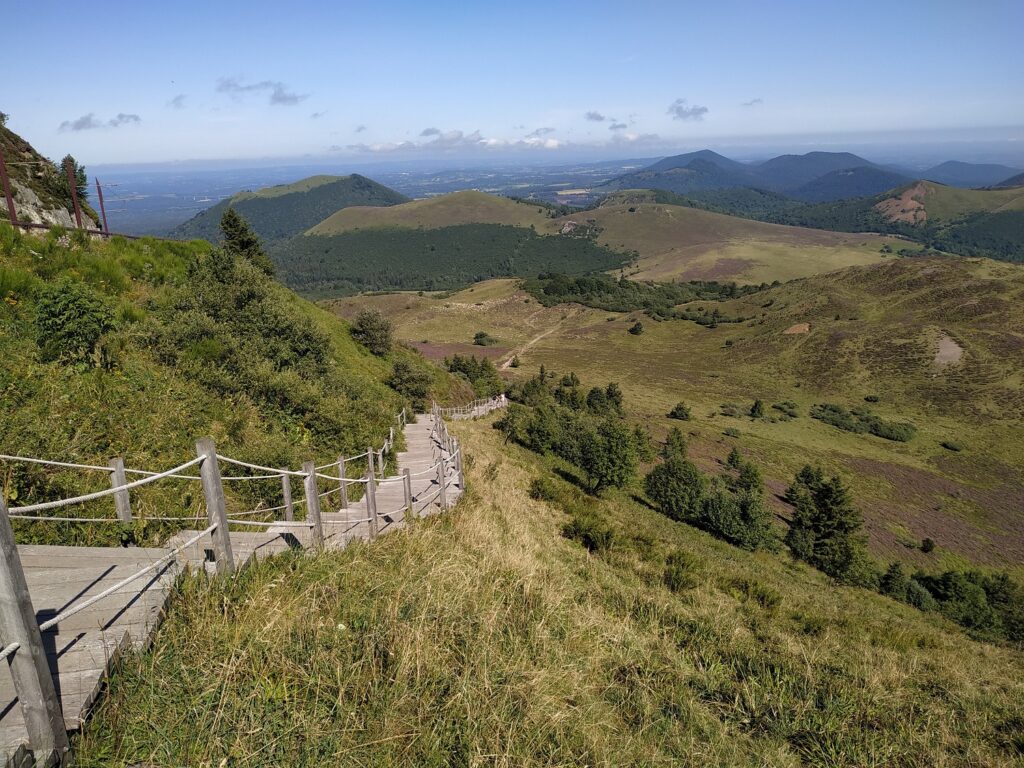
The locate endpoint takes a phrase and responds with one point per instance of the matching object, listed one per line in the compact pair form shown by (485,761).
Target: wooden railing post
(371,495)
(313,504)
(442,479)
(458,466)
(286,491)
(407,482)
(37,696)
(122,502)
(342,483)
(216,513)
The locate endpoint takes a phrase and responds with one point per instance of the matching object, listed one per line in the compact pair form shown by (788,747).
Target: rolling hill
(457,208)
(283,211)
(957,174)
(815,176)
(938,342)
(1013,181)
(969,222)
(674,242)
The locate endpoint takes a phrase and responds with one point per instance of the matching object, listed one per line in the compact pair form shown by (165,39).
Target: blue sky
(387,81)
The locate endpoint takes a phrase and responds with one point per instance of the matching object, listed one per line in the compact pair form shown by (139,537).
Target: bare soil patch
(908,207)
(722,269)
(798,328)
(949,352)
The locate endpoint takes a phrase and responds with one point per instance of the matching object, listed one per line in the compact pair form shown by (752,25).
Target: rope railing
(10,649)
(107,491)
(69,612)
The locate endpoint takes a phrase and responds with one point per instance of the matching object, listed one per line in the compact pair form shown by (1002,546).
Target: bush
(952,445)
(71,318)
(757,410)
(515,362)
(871,398)
(373,331)
(484,339)
(589,531)
(734,459)
(637,328)
(861,420)
(927,545)
(676,486)
(412,383)
(543,489)
(731,432)
(787,407)
(680,411)
(675,444)
(752,589)
(741,519)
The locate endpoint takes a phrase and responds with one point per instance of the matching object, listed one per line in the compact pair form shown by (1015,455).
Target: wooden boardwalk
(81,648)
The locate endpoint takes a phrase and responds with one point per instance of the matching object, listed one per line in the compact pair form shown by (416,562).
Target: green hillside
(457,208)
(138,348)
(488,636)
(436,258)
(936,342)
(283,211)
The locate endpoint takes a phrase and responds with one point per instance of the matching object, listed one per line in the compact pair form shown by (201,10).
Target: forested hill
(283,211)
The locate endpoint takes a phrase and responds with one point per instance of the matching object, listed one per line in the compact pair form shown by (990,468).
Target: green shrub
(71,318)
(680,411)
(751,589)
(543,489)
(637,328)
(871,398)
(757,410)
(741,519)
(731,432)
(787,407)
(412,383)
(952,445)
(589,531)
(676,486)
(484,339)
(734,459)
(373,331)
(861,420)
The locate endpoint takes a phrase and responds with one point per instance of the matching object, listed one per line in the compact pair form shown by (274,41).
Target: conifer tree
(241,241)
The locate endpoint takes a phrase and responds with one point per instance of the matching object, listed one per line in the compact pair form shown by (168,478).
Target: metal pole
(216,514)
(313,504)
(371,495)
(73,184)
(343,484)
(286,491)
(122,502)
(103,208)
(32,681)
(7,189)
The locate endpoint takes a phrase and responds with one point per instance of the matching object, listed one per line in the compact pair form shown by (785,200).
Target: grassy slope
(677,242)
(945,203)
(469,207)
(875,331)
(485,638)
(148,412)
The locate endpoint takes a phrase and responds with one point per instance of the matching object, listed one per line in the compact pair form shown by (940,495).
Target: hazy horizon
(446,85)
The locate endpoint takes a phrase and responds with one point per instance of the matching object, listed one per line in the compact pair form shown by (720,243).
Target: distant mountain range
(277,213)
(812,177)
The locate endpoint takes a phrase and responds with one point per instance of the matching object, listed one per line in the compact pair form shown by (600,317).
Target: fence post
(342,483)
(458,466)
(313,504)
(32,681)
(7,190)
(442,479)
(103,207)
(286,491)
(216,514)
(122,501)
(73,184)
(371,495)
(407,482)
(380,463)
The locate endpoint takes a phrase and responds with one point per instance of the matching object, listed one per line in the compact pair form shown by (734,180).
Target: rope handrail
(260,467)
(107,491)
(69,612)
(69,465)
(45,519)
(9,650)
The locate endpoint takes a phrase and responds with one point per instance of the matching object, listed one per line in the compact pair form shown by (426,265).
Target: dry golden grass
(485,638)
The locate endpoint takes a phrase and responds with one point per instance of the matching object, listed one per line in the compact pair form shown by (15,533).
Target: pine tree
(242,242)
(675,444)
